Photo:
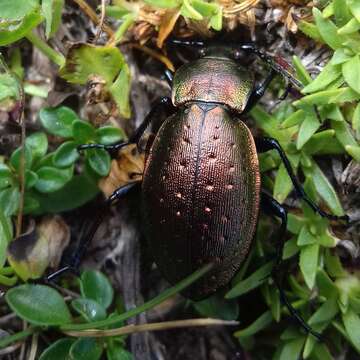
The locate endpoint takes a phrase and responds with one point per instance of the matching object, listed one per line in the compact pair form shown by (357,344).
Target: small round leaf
(58,121)
(86,349)
(109,135)
(83,131)
(52,179)
(66,154)
(89,309)
(59,350)
(16,156)
(38,304)
(30,179)
(96,286)
(38,143)
(5,176)
(9,200)
(99,160)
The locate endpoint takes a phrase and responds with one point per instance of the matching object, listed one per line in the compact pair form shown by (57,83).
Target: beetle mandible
(201,183)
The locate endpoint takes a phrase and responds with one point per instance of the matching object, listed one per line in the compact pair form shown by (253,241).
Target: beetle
(201,190)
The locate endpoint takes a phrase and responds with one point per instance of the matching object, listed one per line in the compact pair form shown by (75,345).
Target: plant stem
(148,305)
(53,55)
(7,340)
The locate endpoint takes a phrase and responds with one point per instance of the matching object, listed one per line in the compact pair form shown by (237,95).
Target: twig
(34,346)
(101,23)
(165,325)
(87,9)
(21,170)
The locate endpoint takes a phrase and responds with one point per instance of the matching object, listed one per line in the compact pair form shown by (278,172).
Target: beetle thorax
(213,80)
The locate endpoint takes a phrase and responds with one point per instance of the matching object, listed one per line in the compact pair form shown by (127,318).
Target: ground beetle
(201,184)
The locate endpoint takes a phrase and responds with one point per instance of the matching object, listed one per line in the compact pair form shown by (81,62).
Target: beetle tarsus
(271,206)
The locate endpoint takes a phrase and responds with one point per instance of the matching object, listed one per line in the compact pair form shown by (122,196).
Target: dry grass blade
(165,325)
(101,22)
(243,7)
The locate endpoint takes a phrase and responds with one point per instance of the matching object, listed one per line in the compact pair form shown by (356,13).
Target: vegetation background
(76,72)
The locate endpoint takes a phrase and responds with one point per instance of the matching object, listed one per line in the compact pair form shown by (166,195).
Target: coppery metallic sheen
(213,80)
(201,191)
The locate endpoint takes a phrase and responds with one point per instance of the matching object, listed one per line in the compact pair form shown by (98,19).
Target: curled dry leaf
(167,24)
(39,247)
(128,167)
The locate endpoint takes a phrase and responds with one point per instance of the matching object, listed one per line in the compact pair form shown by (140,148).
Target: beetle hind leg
(89,230)
(271,206)
(266,144)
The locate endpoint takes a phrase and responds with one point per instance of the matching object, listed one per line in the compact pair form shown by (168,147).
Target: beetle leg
(266,144)
(162,103)
(169,76)
(89,235)
(271,206)
(259,91)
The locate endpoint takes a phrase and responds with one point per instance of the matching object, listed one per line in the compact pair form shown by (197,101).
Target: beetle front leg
(91,231)
(163,103)
(266,144)
(273,208)
(259,91)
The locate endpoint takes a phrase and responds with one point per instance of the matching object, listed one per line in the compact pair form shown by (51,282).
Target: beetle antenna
(187,42)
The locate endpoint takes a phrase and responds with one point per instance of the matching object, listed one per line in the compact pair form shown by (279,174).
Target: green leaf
(59,350)
(283,184)
(310,30)
(96,286)
(89,309)
(38,304)
(340,56)
(117,11)
(252,282)
(290,249)
(30,179)
(326,286)
(305,237)
(292,349)
(328,30)
(9,200)
(356,120)
(86,349)
(66,154)
(188,11)
(321,352)
(325,190)
(295,223)
(118,353)
(216,20)
(5,176)
(18,18)
(327,75)
(164,4)
(77,192)
(294,119)
(15,159)
(323,142)
(52,11)
(109,135)
(85,60)
(217,307)
(326,312)
(9,87)
(16,9)
(351,72)
(341,12)
(83,131)
(350,27)
(259,324)
(354,7)
(38,144)
(99,160)
(52,179)
(301,71)
(354,151)
(307,129)
(352,325)
(309,263)
(58,121)
(6,234)
(120,91)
